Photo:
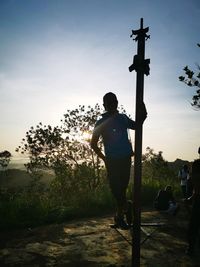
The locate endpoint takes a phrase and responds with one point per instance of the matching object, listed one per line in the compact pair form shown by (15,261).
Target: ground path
(91,243)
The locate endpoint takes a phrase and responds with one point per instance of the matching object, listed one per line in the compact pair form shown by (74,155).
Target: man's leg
(122,204)
(124,181)
(192,232)
(194,225)
(118,171)
(184,191)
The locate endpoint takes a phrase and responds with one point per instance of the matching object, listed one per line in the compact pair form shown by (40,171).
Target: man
(112,127)
(183,175)
(194,223)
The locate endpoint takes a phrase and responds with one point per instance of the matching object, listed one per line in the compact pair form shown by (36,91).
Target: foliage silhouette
(155,167)
(5,158)
(66,150)
(192,80)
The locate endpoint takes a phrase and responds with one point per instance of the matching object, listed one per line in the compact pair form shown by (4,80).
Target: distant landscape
(17,176)
(39,196)
(18,163)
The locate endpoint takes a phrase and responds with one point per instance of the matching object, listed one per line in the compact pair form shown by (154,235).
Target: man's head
(110,102)
(168,188)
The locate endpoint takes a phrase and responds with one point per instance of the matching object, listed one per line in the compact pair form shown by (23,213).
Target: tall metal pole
(141,66)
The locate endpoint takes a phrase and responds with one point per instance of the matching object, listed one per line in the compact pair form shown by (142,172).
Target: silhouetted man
(194,223)
(112,127)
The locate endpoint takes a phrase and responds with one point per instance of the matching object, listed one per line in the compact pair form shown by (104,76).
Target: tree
(66,148)
(5,158)
(155,167)
(46,145)
(192,80)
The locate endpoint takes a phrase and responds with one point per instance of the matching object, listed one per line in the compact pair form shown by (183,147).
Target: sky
(58,54)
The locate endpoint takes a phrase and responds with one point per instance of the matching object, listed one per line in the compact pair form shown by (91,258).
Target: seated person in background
(165,201)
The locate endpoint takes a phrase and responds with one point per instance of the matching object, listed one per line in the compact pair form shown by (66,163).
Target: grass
(36,204)
(29,209)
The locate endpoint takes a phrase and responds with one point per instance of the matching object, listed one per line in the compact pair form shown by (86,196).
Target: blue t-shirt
(113,129)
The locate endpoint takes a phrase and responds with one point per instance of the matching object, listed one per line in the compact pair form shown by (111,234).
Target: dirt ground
(92,242)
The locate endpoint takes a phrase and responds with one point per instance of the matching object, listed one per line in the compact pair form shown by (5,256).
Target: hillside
(92,243)
(177,164)
(20,178)
(16,174)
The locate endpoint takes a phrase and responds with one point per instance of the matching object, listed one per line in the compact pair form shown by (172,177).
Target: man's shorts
(118,173)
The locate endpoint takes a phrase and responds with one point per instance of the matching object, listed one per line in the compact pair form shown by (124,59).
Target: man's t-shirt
(113,129)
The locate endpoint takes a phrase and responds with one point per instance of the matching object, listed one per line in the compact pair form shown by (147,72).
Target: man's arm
(94,145)
(143,115)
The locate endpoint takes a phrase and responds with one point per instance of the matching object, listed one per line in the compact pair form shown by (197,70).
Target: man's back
(113,129)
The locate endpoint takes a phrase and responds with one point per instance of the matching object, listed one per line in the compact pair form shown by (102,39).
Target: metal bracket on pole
(141,66)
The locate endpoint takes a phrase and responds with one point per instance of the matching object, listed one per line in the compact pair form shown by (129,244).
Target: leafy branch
(192,79)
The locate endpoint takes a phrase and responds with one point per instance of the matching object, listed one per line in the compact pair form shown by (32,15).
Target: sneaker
(120,223)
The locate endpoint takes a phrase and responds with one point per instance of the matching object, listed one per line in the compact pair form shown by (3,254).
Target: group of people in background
(190,187)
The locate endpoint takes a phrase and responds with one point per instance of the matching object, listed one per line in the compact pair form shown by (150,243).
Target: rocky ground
(91,242)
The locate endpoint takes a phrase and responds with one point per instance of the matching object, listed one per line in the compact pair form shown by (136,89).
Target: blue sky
(58,54)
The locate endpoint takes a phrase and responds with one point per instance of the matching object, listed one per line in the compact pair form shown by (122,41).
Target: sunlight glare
(86,136)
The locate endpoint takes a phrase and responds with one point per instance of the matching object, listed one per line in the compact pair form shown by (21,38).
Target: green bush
(75,193)
(80,187)
(57,203)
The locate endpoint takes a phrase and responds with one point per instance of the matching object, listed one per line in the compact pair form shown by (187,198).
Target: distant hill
(18,163)
(178,164)
(17,176)
(20,178)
